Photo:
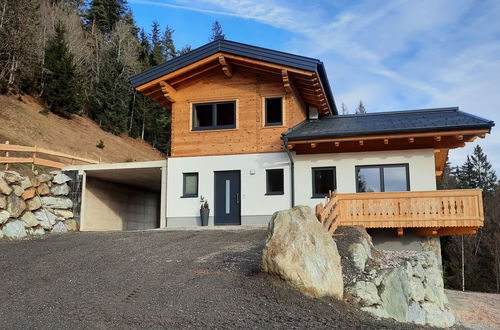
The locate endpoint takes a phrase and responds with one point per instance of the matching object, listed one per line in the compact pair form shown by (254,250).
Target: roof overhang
(304,77)
(440,141)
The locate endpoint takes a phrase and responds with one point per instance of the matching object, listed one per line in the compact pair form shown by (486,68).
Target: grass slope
(23,122)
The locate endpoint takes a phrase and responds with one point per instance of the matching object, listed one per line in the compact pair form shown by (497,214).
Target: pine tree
(157,46)
(217,32)
(361,108)
(345,110)
(168,44)
(61,91)
(186,49)
(104,14)
(484,176)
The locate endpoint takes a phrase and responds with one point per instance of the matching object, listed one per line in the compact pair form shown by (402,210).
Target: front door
(227,198)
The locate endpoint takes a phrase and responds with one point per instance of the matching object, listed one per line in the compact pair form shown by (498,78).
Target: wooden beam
(459,137)
(426,231)
(400,231)
(361,142)
(268,64)
(314,145)
(337,144)
(290,146)
(168,91)
(194,74)
(439,173)
(386,141)
(286,81)
(226,66)
(437,138)
(289,86)
(411,140)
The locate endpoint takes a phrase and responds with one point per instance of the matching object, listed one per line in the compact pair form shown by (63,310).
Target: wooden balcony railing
(439,212)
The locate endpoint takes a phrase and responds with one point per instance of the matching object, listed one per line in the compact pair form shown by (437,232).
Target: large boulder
(4,187)
(59,228)
(34,204)
(394,294)
(58,190)
(26,183)
(29,220)
(4,216)
(300,251)
(15,205)
(14,230)
(43,189)
(71,225)
(3,202)
(45,218)
(61,178)
(29,193)
(57,202)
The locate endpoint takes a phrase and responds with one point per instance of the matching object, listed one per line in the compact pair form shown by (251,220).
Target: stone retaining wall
(32,206)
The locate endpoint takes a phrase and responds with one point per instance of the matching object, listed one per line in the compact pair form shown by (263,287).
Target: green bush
(100,145)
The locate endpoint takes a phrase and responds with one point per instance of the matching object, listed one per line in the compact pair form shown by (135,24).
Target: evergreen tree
(345,110)
(477,172)
(157,46)
(104,14)
(144,50)
(168,44)
(62,91)
(186,49)
(361,108)
(217,32)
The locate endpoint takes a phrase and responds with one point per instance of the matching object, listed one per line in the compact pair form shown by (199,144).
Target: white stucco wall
(254,201)
(421,170)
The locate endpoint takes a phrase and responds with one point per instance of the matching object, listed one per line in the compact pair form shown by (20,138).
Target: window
(219,115)
(274,182)
(377,178)
(274,111)
(190,185)
(323,180)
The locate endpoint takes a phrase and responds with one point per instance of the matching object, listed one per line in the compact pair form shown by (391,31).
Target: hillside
(23,121)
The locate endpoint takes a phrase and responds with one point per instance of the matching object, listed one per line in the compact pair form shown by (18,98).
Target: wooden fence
(36,156)
(461,208)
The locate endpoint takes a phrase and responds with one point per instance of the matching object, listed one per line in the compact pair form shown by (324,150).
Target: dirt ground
(22,123)
(475,310)
(157,279)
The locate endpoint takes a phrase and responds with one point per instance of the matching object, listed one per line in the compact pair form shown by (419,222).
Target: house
(256,130)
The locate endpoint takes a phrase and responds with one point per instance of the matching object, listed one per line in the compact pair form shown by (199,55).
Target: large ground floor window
(379,178)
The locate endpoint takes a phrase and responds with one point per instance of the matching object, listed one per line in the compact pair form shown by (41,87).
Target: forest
(77,57)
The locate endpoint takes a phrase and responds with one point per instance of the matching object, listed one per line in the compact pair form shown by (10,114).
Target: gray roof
(410,121)
(236,48)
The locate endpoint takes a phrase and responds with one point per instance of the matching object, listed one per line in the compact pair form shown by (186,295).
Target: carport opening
(122,199)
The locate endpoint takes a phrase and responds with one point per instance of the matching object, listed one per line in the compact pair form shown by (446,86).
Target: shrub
(100,145)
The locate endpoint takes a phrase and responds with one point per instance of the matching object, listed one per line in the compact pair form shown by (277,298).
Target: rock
(29,220)
(59,228)
(4,187)
(46,218)
(59,190)
(1,233)
(416,314)
(367,292)
(63,213)
(358,255)
(378,311)
(416,289)
(29,193)
(433,244)
(57,202)
(299,250)
(61,178)
(43,177)
(26,183)
(43,189)
(15,205)
(395,294)
(12,177)
(38,231)
(34,204)
(4,216)
(18,191)
(435,317)
(3,202)
(368,247)
(14,230)
(71,225)
(418,271)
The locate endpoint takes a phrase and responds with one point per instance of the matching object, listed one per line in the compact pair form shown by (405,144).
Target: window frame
(381,174)
(313,169)
(282,192)
(184,175)
(214,116)
(282,122)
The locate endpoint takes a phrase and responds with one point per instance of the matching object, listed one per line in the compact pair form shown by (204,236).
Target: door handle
(237,198)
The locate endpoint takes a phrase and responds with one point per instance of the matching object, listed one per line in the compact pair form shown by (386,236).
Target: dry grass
(23,122)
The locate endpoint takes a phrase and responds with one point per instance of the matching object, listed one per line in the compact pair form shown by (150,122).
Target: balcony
(438,212)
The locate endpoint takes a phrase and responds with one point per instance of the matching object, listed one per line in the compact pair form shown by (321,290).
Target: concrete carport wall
(123,196)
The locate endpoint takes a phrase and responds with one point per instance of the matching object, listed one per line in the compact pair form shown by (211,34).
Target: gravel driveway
(156,279)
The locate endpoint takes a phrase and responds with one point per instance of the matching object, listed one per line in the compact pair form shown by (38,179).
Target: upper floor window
(274,111)
(379,178)
(217,115)
(324,180)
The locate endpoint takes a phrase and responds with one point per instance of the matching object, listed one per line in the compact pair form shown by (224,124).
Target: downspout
(292,169)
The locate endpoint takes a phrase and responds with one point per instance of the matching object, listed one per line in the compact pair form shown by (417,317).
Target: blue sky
(393,55)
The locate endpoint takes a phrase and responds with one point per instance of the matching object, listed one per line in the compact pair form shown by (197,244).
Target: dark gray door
(227,198)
